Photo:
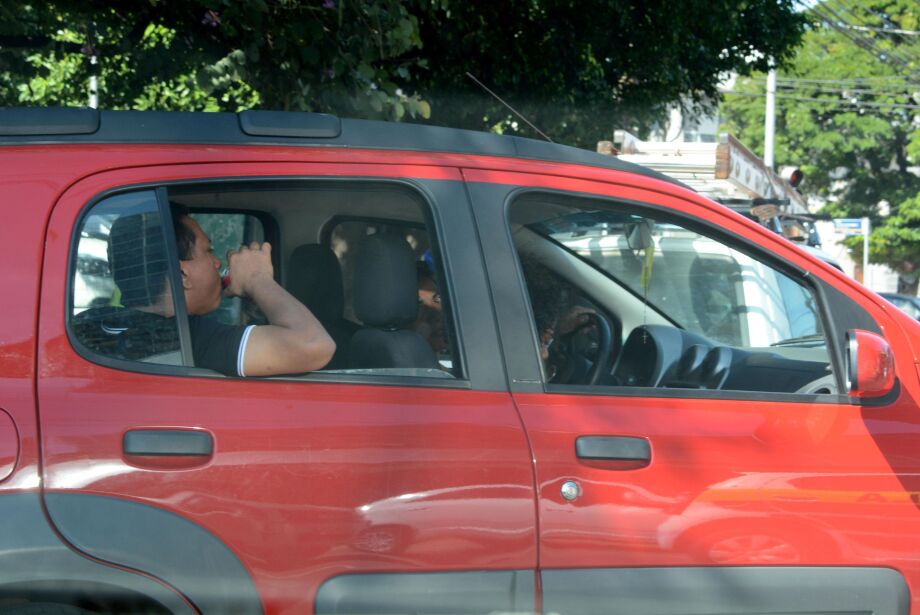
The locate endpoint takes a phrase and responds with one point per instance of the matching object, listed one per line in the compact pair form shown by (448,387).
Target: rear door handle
(613,448)
(168,443)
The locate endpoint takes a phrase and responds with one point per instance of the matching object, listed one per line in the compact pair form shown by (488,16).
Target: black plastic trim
(437,593)
(289,124)
(371,380)
(168,442)
(165,545)
(889,398)
(675,393)
(175,277)
(852,369)
(754,590)
(33,555)
(614,448)
(31,122)
(224,129)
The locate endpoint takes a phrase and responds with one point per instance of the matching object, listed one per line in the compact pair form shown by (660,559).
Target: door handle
(168,443)
(613,448)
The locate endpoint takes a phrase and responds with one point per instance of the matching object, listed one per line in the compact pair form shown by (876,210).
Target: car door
(665,494)
(334,492)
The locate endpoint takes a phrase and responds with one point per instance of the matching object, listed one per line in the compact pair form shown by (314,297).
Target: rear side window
(361,257)
(121,284)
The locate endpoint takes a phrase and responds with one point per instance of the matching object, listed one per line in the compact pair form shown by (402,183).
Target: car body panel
(828,484)
(299,469)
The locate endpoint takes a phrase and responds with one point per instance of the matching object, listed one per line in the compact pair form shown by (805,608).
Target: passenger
(293,342)
(430,320)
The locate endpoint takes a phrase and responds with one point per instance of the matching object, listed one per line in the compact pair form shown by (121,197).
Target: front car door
(713,462)
(272,494)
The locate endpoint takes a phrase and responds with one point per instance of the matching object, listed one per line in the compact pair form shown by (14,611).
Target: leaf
(424,109)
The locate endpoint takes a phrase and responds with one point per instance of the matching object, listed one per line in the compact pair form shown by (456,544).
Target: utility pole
(769,132)
(93,68)
(93,83)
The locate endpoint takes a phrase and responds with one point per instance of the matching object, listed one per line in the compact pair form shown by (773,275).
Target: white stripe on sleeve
(242,351)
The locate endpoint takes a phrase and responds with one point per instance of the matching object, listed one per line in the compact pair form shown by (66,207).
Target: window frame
(161,190)
(728,238)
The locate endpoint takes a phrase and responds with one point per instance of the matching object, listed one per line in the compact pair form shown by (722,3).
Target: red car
(562,384)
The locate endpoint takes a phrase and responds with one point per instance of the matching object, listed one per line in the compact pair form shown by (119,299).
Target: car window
(120,271)
(363,260)
(694,311)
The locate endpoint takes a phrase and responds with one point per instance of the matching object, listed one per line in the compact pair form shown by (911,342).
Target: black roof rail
(49,126)
(21,122)
(289,124)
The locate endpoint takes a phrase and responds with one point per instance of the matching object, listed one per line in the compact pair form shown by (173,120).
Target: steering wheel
(585,354)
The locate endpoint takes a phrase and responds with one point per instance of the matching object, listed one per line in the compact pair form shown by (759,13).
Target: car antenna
(513,110)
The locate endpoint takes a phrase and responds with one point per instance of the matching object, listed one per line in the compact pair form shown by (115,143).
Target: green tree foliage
(576,68)
(196,55)
(579,69)
(848,114)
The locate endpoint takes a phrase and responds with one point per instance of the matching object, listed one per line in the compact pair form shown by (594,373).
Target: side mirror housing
(870,364)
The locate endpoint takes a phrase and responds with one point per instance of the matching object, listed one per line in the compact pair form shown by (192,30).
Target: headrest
(315,279)
(385,290)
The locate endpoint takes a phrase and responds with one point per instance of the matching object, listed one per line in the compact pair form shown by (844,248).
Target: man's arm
(294,341)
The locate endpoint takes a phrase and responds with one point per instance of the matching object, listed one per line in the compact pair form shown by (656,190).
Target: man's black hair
(185,238)
(137,254)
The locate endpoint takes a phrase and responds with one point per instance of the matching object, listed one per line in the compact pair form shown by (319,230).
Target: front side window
(693,311)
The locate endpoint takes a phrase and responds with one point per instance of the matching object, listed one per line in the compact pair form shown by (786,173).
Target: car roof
(31,126)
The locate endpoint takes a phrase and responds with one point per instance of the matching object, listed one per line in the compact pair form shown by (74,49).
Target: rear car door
(271,495)
(712,463)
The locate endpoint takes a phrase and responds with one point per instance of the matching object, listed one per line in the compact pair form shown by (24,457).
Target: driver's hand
(575,318)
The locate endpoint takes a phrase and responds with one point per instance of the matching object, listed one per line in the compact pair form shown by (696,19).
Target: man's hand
(249,266)
(294,341)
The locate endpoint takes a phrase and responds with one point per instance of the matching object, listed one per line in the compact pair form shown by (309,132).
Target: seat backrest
(386,301)
(315,279)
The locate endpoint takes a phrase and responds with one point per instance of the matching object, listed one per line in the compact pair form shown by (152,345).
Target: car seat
(315,279)
(386,301)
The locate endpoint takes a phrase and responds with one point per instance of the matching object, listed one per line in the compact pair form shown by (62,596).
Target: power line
(860,24)
(846,90)
(877,30)
(830,101)
(868,45)
(854,80)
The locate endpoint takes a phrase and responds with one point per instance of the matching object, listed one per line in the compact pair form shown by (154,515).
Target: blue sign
(848,226)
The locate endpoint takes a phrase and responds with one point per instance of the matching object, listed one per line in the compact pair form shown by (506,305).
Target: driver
(554,311)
